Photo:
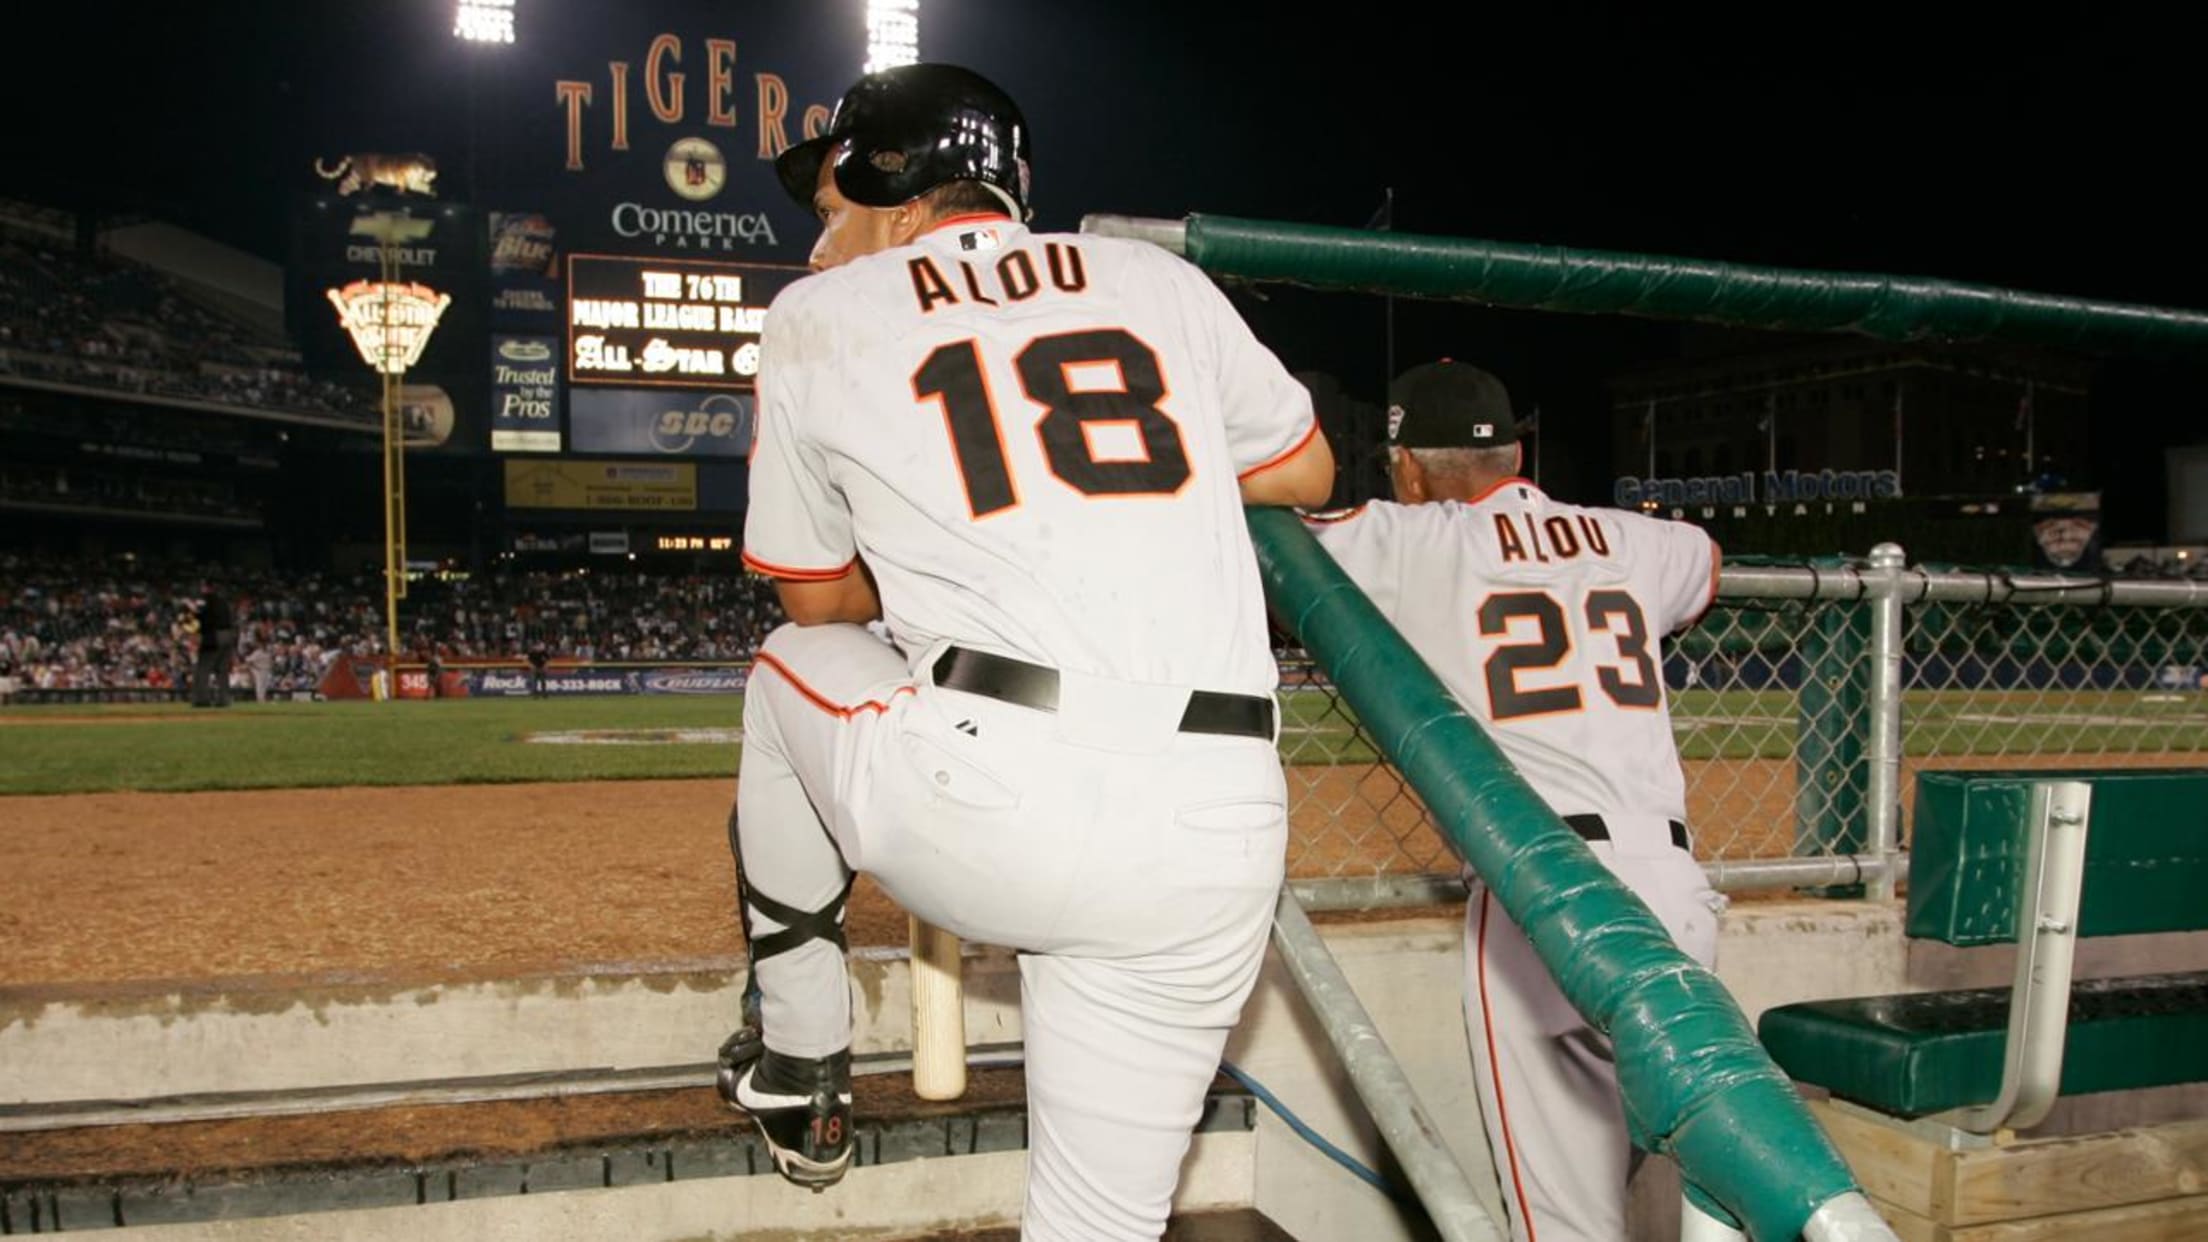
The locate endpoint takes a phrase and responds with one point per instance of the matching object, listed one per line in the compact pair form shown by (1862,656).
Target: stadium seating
(63,627)
(102,322)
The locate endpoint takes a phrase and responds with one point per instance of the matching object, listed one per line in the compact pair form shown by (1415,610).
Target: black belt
(1036,685)
(1591,828)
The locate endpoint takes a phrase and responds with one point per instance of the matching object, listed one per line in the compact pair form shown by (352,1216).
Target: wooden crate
(2143,1185)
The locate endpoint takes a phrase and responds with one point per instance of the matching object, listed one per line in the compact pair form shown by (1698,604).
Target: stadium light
(484,21)
(892,33)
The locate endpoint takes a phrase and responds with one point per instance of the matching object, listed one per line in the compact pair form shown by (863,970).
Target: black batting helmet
(901,132)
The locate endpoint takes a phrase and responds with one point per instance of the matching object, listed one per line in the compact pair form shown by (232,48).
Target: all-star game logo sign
(389,323)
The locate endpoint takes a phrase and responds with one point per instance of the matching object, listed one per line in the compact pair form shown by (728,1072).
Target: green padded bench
(2037,859)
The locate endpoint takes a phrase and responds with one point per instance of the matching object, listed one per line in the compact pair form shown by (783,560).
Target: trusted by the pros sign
(525,394)
(668,322)
(1768,488)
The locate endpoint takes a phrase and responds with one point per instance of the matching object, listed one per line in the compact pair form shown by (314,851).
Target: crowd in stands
(85,422)
(82,488)
(104,322)
(137,461)
(2188,565)
(616,617)
(66,627)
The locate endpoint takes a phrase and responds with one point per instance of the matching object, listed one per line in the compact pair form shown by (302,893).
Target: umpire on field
(218,648)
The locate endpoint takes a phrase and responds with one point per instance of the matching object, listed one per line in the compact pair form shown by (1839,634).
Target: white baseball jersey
(1034,441)
(1543,619)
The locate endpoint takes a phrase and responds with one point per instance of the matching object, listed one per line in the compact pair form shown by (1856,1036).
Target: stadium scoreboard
(668,322)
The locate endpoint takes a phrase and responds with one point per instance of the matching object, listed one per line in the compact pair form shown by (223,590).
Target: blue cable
(1311,1136)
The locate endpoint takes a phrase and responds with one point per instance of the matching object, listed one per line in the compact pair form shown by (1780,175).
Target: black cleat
(801,1104)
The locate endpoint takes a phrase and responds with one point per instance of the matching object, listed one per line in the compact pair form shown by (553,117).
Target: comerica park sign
(1771,487)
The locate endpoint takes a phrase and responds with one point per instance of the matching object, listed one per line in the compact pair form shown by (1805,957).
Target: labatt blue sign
(1771,487)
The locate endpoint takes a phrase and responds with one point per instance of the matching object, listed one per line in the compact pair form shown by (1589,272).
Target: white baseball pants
(1548,1083)
(1134,867)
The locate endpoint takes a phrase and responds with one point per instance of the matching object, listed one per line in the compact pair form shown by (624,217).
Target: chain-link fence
(2043,684)
(1790,739)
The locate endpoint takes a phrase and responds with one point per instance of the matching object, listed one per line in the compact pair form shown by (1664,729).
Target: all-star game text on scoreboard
(671,322)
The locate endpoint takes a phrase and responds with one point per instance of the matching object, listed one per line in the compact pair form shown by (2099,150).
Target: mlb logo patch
(980,239)
(1395,421)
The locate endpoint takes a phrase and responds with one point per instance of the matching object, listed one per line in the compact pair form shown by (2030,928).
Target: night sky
(2055,153)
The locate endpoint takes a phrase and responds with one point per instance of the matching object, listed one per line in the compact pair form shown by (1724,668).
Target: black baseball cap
(1447,404)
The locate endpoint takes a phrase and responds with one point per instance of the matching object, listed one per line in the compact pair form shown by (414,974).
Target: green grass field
(278,745)
(459,741)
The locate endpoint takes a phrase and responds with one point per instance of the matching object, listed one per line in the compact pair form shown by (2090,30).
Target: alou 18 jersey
(1543,620)
(1035,443)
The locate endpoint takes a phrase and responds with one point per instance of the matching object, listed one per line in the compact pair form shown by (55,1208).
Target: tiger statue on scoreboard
(405,174)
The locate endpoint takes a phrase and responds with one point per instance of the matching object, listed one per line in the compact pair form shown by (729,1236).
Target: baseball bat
(938,1013)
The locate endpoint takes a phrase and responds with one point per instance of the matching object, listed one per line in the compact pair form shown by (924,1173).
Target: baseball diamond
(130,770)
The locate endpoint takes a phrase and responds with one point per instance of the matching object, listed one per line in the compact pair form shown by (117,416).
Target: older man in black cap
(1542,618)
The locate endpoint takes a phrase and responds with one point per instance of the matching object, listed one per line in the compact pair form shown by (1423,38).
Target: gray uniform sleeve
(797,526)
(1267,413)
(1367,543)
(1689,575)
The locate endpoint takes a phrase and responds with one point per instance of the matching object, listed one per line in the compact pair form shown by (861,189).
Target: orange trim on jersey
(1499,485)
(1088,443)
(971,217)
(789,574)
(1283,458)
(822,701)
(1066,369)
(1331,517)
(1570,684)
(1495,1074)
(942,402)
(1157,407)
(1653,679)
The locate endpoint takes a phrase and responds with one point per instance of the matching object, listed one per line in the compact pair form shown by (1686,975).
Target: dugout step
(106,1177)
(1244,1225)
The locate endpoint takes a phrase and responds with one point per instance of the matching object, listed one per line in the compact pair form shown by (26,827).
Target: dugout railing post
(1882,808)
(1443,1188)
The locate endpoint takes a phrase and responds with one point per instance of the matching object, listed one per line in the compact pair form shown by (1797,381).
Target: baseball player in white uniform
(1543,620)
(1029,455)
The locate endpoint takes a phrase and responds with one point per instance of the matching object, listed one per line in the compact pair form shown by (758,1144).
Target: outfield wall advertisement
(352,679)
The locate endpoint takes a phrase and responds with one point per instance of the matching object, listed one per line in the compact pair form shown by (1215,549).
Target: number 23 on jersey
(1523,677)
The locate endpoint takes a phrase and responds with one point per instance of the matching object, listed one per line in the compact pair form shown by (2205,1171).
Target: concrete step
(68,1045)
(136,1039)
(662,1162)
(1245,1225)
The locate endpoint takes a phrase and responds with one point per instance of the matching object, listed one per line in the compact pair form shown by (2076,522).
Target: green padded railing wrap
(1596,282)
(1696,1083)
